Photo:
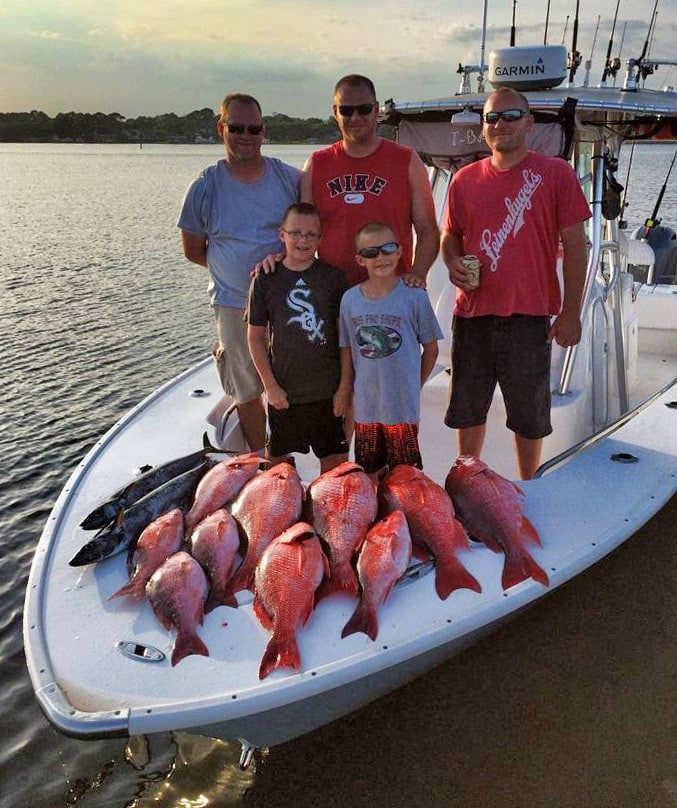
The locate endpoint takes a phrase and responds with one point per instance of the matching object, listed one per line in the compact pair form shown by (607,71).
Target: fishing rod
(615,66)
(566,25)
(607,64)
(622,223)
(654,221)
(575,56)
(588,62)
(547,20)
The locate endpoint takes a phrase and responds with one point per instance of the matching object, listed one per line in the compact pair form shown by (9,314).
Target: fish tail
(136,588)
(281,652)
(216,599)
(452,575)
(243,579)
(188,643)
(364,619)
(520,566)
(342,579)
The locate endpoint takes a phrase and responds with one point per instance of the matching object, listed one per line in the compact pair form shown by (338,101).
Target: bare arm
(428,359)
(257,341)
(423,218)
(194,247)
(306,190)
(452,252)
(344,393)
(566,328)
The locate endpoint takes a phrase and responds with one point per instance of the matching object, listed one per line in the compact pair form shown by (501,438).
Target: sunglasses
(509,115)
(389,248)
(347,110)
(238,128)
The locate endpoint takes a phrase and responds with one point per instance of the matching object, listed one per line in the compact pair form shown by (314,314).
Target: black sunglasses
(508,115)
(347,110)
(389,248)
(238,128)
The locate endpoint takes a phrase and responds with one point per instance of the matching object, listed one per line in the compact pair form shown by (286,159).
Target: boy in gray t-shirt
(388,339)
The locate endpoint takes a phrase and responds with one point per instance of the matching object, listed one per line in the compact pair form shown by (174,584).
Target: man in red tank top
(363,178)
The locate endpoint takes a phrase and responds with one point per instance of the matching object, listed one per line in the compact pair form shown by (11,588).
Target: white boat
(101,667)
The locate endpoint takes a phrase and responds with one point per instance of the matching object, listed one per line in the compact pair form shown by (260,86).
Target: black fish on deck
(156,476)
(112,539)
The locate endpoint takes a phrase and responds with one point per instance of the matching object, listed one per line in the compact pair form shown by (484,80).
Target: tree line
(198,126)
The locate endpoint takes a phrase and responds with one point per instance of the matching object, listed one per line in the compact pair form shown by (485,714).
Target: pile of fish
(199,530)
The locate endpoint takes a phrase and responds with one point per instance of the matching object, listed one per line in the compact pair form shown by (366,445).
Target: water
(572,704)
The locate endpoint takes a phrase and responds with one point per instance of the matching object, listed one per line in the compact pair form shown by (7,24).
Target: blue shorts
(511,351)
(301,427)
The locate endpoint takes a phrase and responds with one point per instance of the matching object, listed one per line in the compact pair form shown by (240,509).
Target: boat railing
(598,436)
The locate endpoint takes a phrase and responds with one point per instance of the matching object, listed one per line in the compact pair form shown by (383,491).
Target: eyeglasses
(347,110)
(296,235)
(389,248)
(238,128)
(509,115)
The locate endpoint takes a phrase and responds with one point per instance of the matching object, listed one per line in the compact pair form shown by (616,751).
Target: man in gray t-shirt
(230,221)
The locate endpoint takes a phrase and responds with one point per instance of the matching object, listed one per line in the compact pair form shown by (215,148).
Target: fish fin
(519,567)
(364,619)
(216,599)
(453,575)
(529,532)
(187,644)
(242,579)
(343,579)
(262,613)
(281,652)
(420,553)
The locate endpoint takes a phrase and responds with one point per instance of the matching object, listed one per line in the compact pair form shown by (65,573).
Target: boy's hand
(342,401)
(277,398)
(267,265)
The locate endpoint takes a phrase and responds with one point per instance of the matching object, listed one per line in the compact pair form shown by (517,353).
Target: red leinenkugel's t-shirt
(511,219)
(351,191)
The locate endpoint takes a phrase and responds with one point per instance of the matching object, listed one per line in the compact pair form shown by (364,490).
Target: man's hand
(566,329)
(459,274)
(268,264)
(411,279)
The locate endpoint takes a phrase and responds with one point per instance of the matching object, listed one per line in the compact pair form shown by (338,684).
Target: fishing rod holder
(465,71)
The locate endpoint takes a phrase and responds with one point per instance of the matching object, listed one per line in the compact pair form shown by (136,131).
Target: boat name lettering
(492,243)
(356,183)
(467,136)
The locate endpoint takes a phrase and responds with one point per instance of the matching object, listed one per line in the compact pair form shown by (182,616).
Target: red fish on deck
(341,504)
(432,524)
(490,508)
(220,484)
(158,540)
(384,556)
(267,505)
(290,570)
(177,591)
(214,543)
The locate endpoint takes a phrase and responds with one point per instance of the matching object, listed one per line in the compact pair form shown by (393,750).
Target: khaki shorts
(231,355)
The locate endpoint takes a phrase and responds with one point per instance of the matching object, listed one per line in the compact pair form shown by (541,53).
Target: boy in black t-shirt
(293,339)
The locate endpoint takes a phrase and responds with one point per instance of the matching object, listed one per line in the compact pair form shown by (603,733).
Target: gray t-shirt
(385,338)
(241,221)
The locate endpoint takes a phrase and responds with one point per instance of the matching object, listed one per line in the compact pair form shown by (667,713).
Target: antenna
(547,20)
(607,63)
(620,51)
(566,25)
(588,62)
(512,29)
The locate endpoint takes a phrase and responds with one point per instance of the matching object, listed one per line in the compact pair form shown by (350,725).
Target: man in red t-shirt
(511,210)
(364,178)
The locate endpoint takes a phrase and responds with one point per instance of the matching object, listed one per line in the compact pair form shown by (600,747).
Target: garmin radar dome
(528,68)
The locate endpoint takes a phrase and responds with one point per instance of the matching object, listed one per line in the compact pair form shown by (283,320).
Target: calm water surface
(573,704)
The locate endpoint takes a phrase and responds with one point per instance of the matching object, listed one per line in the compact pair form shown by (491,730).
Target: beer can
(472,264)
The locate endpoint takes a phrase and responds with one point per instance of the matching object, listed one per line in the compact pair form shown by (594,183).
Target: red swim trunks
(378,445)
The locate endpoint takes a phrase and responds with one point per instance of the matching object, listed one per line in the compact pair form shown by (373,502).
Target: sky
(146,57)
